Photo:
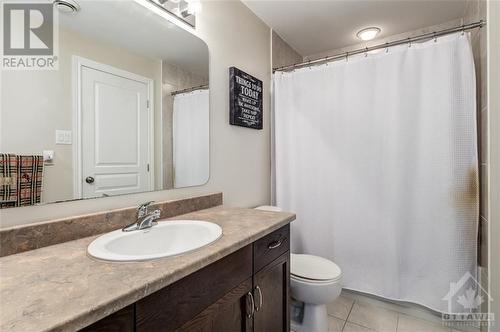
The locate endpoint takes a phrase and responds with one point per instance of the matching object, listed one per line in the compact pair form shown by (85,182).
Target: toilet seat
(316,282)
(314,269)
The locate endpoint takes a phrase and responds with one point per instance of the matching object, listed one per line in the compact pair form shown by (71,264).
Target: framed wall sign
(245,99)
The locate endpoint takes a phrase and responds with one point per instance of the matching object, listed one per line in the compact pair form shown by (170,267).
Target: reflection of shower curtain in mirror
(377,156)
(190,130)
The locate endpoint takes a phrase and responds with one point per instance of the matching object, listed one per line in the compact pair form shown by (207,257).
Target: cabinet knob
(89,179)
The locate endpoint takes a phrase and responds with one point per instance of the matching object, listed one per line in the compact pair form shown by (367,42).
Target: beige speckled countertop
(59,288)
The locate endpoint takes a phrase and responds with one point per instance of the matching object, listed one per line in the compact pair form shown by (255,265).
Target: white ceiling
(312,26)
(129,25)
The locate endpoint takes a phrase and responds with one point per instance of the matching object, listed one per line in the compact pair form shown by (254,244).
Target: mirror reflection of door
(115,122)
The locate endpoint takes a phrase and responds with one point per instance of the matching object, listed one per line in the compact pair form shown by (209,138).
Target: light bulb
(194,7)
(368,33)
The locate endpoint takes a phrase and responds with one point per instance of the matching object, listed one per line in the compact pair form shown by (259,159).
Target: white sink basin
(168,238)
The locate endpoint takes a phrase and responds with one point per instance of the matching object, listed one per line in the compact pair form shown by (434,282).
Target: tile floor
(354,312)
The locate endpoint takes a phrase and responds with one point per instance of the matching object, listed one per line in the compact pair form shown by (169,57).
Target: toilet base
(315,319)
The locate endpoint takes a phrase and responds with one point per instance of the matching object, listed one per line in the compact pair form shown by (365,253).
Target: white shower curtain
(190,131)
(377,156)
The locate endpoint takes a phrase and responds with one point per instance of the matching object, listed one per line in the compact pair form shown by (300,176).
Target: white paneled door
(115,134)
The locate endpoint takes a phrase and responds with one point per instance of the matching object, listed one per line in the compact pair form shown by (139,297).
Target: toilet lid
(314,267)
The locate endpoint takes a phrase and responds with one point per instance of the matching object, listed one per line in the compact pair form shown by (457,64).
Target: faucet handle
(156,214)
(142,210)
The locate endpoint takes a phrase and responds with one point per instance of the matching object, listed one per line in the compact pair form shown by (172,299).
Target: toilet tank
(269,208)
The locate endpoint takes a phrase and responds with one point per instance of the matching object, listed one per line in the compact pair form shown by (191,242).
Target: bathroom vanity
(245,291)
(238,283)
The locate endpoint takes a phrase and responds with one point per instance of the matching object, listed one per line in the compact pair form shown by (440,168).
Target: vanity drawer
(270,247)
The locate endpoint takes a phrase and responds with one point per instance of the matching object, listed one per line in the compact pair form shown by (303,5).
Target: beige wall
(283,54)
(494,155)
(36,103)
(174,79)
(239,157)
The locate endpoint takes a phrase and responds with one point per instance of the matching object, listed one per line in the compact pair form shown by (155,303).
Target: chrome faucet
(145,219)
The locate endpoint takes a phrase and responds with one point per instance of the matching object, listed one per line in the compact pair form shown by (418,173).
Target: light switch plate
(63,137)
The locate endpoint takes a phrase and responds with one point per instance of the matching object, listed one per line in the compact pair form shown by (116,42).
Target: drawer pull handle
(261,299)
(252,305)
(275,244)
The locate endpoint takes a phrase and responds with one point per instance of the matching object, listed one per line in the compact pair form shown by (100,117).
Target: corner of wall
(493,28)
(282,53)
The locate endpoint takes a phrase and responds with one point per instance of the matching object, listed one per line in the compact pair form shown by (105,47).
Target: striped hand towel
(8,179)
(24,175)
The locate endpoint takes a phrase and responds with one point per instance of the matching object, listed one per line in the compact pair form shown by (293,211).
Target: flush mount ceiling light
(368,33)
(67,6)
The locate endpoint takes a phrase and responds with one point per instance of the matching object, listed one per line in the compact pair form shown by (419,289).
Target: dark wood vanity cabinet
(271,281)
(121,321)
(271,293)
(246,291)
(229,313)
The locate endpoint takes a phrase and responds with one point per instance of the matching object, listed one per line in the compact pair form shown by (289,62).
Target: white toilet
(316,281)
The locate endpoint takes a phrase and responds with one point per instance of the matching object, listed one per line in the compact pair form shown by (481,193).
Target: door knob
(89,179)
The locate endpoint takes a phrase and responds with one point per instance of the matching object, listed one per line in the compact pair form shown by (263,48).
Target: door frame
(78,63)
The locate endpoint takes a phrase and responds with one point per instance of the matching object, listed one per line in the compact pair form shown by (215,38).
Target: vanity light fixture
(67,6)
(194,6)
(185,10)
(368,33)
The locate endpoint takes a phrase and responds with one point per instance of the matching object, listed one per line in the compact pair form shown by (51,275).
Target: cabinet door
(271,294)
(231,313)
(173,306)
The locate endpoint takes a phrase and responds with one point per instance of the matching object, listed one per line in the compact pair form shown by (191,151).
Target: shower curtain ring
(346,56)
(463,30)
(366,51)
(409,42)
(326,60)
(386,47)
(435,37)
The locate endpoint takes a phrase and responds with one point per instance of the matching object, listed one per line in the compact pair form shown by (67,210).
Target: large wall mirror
(127,111)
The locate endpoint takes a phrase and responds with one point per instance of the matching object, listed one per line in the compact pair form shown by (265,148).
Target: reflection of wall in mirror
(37,103)
(174,79)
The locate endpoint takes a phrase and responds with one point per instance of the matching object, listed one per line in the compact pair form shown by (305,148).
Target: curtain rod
(409,40)
(200,87)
